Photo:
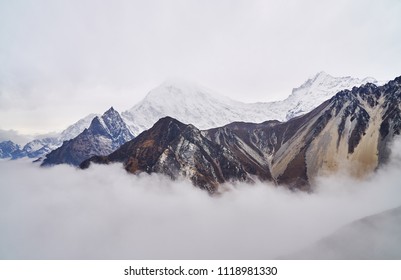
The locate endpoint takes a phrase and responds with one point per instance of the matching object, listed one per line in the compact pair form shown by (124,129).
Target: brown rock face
(175,149)
(351,131)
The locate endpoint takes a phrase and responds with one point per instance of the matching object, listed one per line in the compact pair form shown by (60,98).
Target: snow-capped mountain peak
(323,84)
(349,132)
(114,125)
(185,101)
(105,134)
(195,104)
(317,89)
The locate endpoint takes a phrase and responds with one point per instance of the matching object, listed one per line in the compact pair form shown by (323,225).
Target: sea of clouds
(105,213)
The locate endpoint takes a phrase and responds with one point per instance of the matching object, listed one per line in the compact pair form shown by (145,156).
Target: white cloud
(105,213)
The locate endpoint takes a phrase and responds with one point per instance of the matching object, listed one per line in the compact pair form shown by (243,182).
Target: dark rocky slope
(350,132)
(104,135)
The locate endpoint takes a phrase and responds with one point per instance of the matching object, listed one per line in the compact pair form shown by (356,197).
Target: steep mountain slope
(373,237)
(76,128)
(8,149)
(351,131)
(195,104)
(175,149)
(191,103)
(104,135)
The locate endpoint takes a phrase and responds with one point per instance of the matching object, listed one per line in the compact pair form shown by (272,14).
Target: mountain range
(41,146)
(195,104)
(200,106)
(350,132)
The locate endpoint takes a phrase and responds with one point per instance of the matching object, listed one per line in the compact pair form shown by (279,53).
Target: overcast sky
(61,60)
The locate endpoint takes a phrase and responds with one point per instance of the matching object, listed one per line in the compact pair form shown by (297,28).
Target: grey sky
(61,60)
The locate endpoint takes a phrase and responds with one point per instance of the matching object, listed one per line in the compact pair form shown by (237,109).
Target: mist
(105,213)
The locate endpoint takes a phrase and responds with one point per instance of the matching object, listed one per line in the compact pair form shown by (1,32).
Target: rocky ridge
(351,131)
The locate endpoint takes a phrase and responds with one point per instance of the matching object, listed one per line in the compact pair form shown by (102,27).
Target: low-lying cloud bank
(105,213)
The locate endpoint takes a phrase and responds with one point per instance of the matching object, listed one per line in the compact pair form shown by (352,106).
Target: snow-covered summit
(189,92)
(316,90)
(186,102)
(204,108)
(105,134)
(195,104)
(113,125)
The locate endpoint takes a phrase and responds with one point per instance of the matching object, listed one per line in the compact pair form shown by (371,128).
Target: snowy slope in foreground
(197,105)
